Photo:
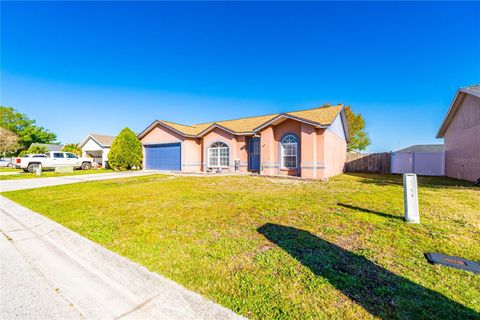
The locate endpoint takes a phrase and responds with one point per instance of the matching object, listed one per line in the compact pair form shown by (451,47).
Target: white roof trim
(346,130)
(253,132)
(442,130)
(473,93)
(159,122)
(454,108)
(213,127)
(287,116)
(85,140)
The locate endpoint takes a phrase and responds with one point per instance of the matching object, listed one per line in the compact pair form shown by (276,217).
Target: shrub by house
(126,151)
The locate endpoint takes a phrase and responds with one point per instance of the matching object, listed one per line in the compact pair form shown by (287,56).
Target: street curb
(98,282)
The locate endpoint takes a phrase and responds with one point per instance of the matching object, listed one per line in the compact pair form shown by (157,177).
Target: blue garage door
(163,157)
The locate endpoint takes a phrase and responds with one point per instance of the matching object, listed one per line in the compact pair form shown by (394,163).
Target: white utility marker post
(38,171)
(410,201)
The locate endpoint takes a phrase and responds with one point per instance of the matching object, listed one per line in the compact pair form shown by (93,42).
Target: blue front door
(163,157)
(254,154)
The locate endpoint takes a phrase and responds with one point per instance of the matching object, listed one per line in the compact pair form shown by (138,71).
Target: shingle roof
(323,116)
(455,106)
(49,146)
(104,140)
(475,89)
(424,148)
(186,129)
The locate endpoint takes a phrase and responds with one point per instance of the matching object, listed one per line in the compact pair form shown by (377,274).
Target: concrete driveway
(51,272)
(20,184)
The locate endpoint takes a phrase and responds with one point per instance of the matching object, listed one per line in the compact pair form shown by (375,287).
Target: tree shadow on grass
(378,213)
(381,292)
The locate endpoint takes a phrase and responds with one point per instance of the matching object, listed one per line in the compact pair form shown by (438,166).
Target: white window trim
(282,160)
(209,165)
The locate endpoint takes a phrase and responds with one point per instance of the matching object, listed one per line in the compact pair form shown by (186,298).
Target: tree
(73,148)
(126,151)
(34,150)
(359,139)
(25,129)
(8,141)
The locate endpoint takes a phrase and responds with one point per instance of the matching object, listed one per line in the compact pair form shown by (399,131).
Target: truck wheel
(86,166)
(32,167)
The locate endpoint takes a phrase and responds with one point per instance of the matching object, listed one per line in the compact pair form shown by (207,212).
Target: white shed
(97,146)
(426,159)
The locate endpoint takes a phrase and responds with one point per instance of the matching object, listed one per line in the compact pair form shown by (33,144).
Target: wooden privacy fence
(368,163)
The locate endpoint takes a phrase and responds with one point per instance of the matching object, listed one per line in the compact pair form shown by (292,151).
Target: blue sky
(80,67)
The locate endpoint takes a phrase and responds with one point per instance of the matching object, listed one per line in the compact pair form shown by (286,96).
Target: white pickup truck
(52,160)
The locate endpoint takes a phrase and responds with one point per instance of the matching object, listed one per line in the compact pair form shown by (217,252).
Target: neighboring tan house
(49,146)
(461,131)
(308,143)
(97,146)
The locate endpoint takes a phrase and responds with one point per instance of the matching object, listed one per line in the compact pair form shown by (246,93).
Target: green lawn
(280,249)
(46,174)
(6,169)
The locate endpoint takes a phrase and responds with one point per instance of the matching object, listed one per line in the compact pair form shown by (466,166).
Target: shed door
(163,157)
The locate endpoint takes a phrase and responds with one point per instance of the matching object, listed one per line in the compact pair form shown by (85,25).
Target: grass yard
(46,174)
(7,169)
(281,249)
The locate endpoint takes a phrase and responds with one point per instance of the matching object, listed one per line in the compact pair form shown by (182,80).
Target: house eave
(346,130)
(159,122)
(218,126)
(285,116)
(85,140)
(452,110)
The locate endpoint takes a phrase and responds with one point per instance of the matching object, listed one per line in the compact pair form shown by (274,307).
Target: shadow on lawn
(381,292)
(378,213)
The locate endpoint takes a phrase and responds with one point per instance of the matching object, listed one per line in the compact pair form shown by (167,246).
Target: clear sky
(80,67)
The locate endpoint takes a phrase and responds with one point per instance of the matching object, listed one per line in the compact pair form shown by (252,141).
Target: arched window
(289,151)
(218,155)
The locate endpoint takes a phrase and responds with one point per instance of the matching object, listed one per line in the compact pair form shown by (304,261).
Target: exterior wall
(279,131)
(335,154)
(462,142)
(91,145)
(268,152)
(322,152)
(106,151)
(220,135)
(192,155)
(308,152)
(242,152)
(270,139)
(160,135)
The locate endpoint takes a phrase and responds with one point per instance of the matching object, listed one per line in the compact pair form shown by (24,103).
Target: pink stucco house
(308,143)
(461,132)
